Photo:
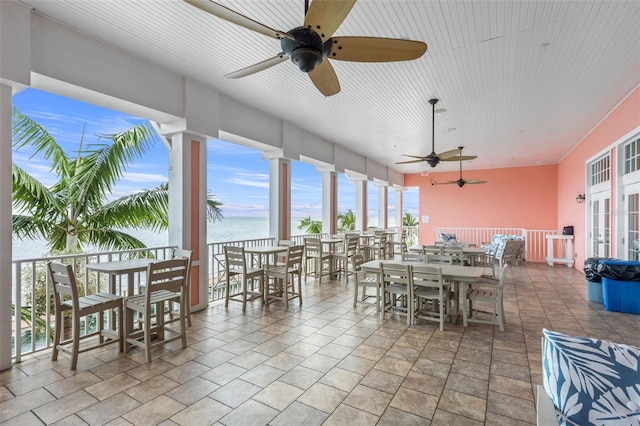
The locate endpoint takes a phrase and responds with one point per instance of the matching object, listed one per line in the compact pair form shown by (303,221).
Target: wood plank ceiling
(521,82)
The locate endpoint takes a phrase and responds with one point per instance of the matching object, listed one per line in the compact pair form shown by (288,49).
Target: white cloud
(247,182)
(144,177)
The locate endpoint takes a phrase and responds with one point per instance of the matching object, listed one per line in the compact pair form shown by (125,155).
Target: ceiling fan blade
(325,16)
(260,66)
(375,49)
(422,157)
(234,17)
(325,79)
(459,158)
(411,161)
(474,181)
(454,154)
(445,183)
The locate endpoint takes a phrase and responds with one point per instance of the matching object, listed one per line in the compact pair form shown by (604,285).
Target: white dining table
(456,274)
(121,267)
(265,253)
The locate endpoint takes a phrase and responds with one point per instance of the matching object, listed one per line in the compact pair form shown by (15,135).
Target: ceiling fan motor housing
(307,50)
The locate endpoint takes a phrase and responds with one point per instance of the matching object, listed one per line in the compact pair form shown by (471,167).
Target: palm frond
(110,239)
(104,164)
(28,227)
(213,210)
(28,132)
(144,209)
(310,226)
(28,193)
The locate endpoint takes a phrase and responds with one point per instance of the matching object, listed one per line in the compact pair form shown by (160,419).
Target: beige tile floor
(322,363)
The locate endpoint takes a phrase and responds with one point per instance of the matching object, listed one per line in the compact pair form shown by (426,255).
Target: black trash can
(620,285)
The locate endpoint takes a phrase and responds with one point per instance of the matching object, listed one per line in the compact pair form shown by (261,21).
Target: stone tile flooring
(322,363)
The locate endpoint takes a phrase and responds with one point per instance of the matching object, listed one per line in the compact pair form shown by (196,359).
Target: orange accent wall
(195,219)
(523,197)
(572,171)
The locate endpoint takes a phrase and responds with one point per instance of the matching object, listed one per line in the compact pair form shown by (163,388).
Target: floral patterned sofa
(588,381)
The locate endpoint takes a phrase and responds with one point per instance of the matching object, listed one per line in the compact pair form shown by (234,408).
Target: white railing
(215,260)
(412,235)
(32,301)
(534,239)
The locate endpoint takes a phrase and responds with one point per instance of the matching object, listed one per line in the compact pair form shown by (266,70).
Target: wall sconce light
(580,198)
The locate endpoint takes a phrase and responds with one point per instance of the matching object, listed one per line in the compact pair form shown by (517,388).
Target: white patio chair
(397,293)
(280,279)
(65,292)
(487,292)
(320,260)
(364,281)
(237,269)
(165,282)
(430,291)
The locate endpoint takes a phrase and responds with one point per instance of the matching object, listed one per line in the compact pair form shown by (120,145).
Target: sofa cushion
(447,237)
(591,381)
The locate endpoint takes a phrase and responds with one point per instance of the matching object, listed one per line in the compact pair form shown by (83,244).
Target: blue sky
(236,175)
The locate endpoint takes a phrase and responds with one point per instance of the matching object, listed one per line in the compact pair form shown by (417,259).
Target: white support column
(188,207)
(361,204)
(329,202)
(383,207)
(399,207)
(279,197)
(6,196)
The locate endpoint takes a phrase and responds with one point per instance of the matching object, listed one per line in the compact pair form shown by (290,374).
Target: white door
(631,239)
(600,234)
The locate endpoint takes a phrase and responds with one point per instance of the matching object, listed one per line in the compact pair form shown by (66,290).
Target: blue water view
(229,229)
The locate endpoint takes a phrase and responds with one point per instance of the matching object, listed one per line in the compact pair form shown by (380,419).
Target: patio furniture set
(131,319)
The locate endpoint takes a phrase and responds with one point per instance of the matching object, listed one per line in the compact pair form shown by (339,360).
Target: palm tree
(310,226)
(74,212)
(408,220)
(346,221)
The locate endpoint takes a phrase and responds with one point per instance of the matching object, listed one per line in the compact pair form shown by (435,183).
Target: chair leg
(100,326)
(285,291)
(121,335)
(187,306)
(245,284)
(355,294)
(76,341)
(57,336)
(228,289)
(127,328)
(465,311)
(183,311)
(147,334)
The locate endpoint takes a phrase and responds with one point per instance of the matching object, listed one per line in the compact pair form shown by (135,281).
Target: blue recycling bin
(621,295)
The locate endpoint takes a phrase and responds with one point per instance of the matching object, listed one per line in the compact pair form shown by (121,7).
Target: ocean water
(228,229)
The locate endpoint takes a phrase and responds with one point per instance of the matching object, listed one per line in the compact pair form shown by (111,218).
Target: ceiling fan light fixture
(306,58)
(307,50)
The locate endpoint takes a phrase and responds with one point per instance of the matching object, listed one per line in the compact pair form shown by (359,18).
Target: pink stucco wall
(571,170)
(522,197)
